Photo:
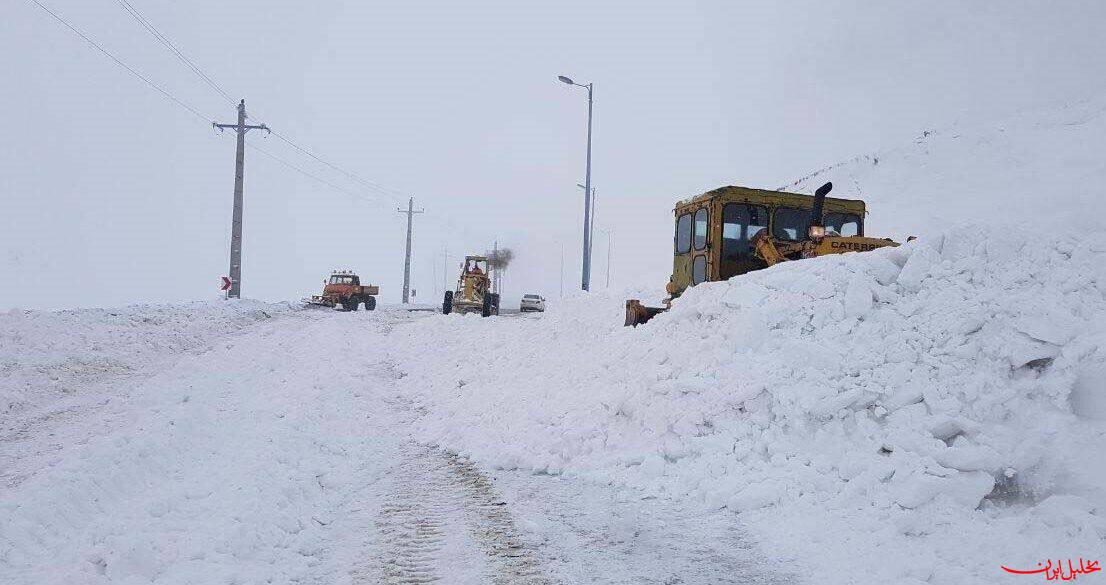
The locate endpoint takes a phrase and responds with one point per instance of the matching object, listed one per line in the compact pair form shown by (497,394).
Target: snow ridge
(922,393)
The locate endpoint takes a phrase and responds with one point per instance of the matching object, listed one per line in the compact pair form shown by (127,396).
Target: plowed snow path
(285,455)
(441,519)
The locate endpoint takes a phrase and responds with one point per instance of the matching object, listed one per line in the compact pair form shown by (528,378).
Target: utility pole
(235,291)
(495,262)
(410,211)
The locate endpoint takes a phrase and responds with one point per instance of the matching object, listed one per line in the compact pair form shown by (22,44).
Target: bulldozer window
(336,279)
(701,228)
(698,269)
(790,224)
(683,234)
(844,224)
(740,222)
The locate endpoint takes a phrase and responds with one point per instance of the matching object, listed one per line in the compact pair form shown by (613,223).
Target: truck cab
(341,282)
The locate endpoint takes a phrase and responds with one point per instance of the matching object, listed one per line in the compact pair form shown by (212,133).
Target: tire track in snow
(442,520)
(494,526)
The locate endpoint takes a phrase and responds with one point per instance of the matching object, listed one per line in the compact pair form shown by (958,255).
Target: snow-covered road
(284,452)
(925,412)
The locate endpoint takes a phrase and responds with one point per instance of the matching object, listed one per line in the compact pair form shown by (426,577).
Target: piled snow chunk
(914,384)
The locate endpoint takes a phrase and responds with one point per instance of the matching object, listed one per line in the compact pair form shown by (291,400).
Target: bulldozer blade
(637,313)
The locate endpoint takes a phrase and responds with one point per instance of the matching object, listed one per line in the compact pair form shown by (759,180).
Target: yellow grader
(734,230)
(473,290)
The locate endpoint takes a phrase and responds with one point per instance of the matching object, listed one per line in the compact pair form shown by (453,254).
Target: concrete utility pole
(241,128)
(586,273)
(410,211)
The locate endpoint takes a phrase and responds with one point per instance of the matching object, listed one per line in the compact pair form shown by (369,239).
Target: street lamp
(586,273)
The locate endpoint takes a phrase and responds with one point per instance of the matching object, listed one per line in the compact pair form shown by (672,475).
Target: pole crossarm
(246,127)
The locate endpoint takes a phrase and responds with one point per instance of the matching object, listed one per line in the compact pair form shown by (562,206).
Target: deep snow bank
(45,355)
(928,411)
(229,463)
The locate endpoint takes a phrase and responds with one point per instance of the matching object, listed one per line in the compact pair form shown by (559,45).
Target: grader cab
(734,230)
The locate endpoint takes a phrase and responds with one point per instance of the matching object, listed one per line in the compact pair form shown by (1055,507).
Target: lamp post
(594,220)
(608,232)
(586,273)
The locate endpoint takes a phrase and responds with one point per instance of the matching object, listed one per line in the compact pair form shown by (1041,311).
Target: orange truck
(344,289)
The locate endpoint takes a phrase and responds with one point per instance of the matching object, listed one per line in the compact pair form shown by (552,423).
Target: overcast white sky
(111,194)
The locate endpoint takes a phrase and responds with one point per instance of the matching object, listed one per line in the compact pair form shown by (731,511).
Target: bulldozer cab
(713,239)
(733,230)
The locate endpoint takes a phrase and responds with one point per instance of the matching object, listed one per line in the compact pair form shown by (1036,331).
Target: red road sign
(226,283)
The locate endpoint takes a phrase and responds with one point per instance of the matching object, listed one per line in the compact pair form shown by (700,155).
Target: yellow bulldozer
(733,230)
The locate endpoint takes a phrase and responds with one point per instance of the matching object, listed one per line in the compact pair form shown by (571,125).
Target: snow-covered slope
(928,412)
(1043,171)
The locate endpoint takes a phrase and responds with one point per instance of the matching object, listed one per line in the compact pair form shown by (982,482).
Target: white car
(531,303)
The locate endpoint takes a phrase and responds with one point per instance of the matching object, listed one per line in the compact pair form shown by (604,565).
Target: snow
(1038,171)
(276,446)
(907,409)
(48,355)
(917,414)
(197,479)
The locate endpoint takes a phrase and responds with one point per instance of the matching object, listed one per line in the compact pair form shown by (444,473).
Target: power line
(163,39)
(180,55)
(153,30)
(120,63)
(308,174)
(367,183)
